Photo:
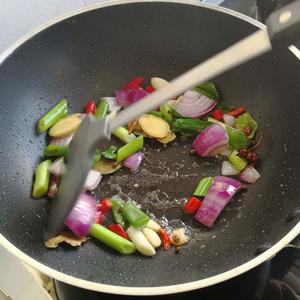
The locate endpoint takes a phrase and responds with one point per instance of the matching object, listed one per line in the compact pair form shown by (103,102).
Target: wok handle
(284,25)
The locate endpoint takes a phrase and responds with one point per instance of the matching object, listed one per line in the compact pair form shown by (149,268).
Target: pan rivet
(285,17)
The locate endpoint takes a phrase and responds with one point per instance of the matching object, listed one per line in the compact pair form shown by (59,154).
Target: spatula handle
(284,25)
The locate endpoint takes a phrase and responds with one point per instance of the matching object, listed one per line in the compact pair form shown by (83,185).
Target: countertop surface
(19,17)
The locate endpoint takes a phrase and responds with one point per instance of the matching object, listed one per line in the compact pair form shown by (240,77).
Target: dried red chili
(192,205)
(150,89)
(218,114)
(236,112)
(104,205)
(165,239)
(134,83)
(91,107)
(250,156)
(118,229)
(99,218)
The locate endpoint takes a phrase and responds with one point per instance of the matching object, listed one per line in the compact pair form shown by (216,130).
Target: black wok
(92,54)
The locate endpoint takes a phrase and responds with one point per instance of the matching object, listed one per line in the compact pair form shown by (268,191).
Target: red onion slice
(219,194)
(127,97)
(212,137)
(223,150)
(194,105)
(52,190)
(133,161)
(82,215)
(249,175)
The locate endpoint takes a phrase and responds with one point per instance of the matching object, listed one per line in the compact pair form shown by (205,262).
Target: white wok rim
(159,290)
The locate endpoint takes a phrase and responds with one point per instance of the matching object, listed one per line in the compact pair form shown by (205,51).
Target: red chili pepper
(218,114)
(192,205)
(118,229)
(165,239)
(99,217)
(91,107)
(104,206)
(134,83)
(238,111)
(150,89)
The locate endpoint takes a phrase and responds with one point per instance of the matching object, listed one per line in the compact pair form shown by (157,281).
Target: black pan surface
(93,54)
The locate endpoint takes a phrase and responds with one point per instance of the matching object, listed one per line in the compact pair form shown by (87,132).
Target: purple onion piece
(212,137)
(223,150)
(249,175)
(82,215)
(126,97)
(194,105)
(219,194)
(52,190)
(133,161)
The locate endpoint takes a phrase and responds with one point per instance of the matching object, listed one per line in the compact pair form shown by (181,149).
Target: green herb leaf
(97,156)
(224,107)
(209,90)
(110,152)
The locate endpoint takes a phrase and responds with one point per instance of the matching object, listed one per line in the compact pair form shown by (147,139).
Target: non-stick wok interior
(95,53)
